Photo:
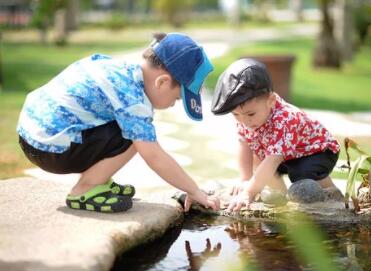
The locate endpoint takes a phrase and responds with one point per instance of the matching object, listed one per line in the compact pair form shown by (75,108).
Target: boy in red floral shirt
(275,137)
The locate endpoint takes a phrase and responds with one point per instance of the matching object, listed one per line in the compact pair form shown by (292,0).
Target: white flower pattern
(288,132)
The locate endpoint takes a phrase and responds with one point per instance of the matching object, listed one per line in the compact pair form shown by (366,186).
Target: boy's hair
(150,56)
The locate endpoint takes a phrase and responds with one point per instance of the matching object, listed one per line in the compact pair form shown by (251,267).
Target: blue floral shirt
(88,93)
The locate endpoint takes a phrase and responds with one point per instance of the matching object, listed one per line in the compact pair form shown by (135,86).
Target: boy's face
(255,112)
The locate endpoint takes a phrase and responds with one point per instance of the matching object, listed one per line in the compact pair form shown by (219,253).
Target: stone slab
(38,231)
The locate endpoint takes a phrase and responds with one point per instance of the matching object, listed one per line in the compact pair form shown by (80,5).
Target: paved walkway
(40,233)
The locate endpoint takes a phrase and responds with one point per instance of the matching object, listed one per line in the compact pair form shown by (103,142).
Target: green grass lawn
(12,160)
(27,66)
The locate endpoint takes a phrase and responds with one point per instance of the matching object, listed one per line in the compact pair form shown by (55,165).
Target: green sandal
(122,189)
(100,199)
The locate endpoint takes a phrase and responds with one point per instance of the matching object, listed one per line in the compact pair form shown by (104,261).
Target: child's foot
(333,193)
(100,199)
(122,189)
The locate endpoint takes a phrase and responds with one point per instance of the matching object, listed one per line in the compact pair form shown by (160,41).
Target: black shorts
(316,166)
(98,143)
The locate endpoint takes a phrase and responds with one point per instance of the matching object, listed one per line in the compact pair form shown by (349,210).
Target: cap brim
(192,103)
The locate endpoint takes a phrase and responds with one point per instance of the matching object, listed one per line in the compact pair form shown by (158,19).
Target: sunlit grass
(12,160)
(27,66)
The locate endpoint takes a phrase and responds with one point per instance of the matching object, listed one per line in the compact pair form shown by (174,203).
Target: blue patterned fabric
(88,93)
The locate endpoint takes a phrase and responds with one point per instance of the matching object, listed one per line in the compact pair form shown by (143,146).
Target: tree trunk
(147,6)
(297,7)
(60,27)
(236,13)
(344,28)
(1,65)
(326,53)
(43,34)
(72,13)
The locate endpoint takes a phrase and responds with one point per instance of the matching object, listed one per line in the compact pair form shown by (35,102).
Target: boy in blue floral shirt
(97,114)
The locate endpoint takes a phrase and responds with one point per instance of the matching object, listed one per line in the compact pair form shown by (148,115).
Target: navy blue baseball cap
(187,62)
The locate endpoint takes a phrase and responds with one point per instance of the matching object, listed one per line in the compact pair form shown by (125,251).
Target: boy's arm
(245,162)
(245,159)
(169,170)
(264,173)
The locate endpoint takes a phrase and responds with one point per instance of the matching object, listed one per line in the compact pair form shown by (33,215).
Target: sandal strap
(121,189)
(92,193)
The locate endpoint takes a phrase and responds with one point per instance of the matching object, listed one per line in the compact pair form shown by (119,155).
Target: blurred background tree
(326,52)
(62,14)
(175,12)
(362,19)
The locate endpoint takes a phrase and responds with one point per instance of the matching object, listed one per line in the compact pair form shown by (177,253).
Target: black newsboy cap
(242,80)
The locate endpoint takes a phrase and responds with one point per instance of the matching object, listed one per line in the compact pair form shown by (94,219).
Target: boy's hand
(238,201)
(202,198)
(238,188)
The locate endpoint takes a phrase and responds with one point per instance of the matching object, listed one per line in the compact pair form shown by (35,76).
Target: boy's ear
(162,80)
(271,100)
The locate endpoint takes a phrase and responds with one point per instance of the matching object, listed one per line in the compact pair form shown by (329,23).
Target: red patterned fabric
(288,132)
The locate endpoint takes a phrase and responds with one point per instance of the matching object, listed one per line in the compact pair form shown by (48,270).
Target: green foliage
(173,10)
(361,168)
(116,21)
(362,20)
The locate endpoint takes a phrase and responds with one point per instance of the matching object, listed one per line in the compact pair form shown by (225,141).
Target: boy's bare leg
(276,183)
(102,171)
(326,182)
(332,192)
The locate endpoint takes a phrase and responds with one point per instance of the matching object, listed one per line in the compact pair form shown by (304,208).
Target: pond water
(218,243)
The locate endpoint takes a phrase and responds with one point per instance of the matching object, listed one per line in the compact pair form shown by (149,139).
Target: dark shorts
(98,143)
(316,166)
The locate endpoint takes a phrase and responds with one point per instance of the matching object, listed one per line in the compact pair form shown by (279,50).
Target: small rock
(306,191)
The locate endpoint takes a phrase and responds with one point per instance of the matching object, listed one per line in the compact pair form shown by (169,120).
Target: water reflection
(197,259)
(204,242)
(262,245)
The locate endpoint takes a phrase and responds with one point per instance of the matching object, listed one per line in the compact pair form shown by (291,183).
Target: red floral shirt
(288,132)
